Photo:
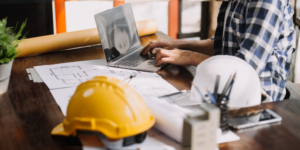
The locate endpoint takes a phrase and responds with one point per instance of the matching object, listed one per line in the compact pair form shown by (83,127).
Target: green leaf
(9,40)
(21,29)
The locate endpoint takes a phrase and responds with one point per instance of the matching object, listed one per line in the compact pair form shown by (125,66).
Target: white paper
(29,76)
(62,97)
(27,70)
(182,99)
(228,137)
(168,117)
(63,76)
(35,77)
(154,141)
(155,86)
(191,69)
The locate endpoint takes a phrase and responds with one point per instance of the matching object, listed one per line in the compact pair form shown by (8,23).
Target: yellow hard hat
(106,105)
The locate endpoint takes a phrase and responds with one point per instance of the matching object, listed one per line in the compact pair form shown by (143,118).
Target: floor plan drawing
(71,75)
(62,76)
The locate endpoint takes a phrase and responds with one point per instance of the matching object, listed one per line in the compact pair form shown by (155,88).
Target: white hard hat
(246,89)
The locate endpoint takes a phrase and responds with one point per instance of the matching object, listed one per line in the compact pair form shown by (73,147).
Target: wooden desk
(276,136)
(28,111)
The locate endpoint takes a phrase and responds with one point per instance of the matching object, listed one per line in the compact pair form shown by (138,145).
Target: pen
(211,95)
(199,91)
(130,77)
(176,93)
(231,87)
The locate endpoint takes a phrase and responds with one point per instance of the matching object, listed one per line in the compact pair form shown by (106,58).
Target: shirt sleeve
(263,23)
(213,39)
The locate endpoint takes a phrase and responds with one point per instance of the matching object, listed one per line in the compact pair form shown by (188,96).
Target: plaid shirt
(260,32)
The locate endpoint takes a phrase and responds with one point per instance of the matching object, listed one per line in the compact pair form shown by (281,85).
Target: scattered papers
(62,80)
(35,77)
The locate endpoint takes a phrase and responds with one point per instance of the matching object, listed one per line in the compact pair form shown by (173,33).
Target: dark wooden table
(28,112)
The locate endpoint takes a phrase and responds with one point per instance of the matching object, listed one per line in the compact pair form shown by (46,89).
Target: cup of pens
(224,116)
(219,99)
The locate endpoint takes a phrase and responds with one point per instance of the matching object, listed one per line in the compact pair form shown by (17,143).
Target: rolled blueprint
(168,117)
(56,42)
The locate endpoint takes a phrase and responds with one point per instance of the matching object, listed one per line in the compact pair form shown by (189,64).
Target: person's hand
(165,44)
(178,57)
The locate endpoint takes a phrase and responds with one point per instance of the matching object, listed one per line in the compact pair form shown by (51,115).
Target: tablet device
(265,117)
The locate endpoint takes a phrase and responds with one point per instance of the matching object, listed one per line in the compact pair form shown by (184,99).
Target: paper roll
(168,117)
(50,43)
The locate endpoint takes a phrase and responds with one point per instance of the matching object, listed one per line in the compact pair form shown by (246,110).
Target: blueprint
(145,87)
(64,75)
(62,80)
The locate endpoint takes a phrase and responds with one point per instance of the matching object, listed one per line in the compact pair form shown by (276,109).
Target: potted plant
(8,44)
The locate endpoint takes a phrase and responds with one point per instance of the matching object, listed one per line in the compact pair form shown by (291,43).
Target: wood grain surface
(28,112)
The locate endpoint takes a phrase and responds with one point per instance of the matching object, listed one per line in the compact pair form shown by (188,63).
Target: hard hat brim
(59,130)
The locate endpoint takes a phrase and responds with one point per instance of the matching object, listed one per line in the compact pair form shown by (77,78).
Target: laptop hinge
(123,57)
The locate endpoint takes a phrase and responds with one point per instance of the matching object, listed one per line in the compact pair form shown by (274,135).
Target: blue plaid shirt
(260,32)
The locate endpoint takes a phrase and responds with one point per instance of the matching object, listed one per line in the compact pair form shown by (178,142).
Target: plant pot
(5,71)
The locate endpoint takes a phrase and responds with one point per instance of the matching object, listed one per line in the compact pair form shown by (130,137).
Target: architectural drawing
(71,75)
(62,76)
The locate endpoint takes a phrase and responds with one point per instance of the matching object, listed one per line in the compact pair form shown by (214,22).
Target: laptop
(120,41)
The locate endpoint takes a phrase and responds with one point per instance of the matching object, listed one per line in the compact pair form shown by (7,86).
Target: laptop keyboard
(133,60)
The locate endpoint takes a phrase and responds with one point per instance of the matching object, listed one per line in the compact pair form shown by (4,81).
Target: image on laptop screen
(118,32)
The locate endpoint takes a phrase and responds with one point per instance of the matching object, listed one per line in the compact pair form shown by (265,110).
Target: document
(62,97)
(63,79)
(155,86)
(71,75)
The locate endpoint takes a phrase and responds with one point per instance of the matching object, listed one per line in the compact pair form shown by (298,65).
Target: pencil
(202,96)
(230,87)
(171,94)
(226,85)
(211,95)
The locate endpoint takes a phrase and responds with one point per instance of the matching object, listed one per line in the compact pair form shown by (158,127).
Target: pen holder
(224,116)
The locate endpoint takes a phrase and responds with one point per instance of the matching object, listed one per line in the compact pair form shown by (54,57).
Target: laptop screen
(118,32)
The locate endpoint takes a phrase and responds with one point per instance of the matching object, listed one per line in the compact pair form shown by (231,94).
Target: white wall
(152,10)
(190,21)
(80,14)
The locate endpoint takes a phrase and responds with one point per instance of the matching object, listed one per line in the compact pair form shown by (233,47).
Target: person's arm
(202,46)
(179,57)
